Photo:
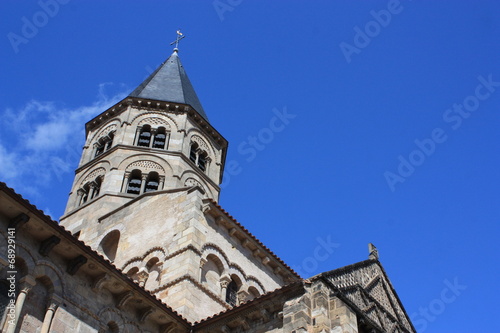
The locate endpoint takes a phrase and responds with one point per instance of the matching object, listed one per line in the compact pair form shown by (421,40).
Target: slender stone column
(167,139)
(242,296)
(79,194)
(92,190)
(208,162)
(143,183)
(152,137)
(137,134)
(94,150)
(125,182)
(109,142)
(224,282)
(198,151)
(202,263)
(26,283)
(49,314)
(162,182)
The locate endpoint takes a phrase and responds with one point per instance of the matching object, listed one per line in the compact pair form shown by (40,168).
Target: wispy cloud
(41,140)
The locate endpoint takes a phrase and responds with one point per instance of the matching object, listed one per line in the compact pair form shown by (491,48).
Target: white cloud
(42,140)
(8,168)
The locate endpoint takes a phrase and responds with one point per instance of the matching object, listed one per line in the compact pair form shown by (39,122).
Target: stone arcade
(155,157)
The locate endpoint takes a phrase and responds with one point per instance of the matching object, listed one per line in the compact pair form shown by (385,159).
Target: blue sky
(390,114)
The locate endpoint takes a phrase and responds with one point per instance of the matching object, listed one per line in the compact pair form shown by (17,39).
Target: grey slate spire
(170,83)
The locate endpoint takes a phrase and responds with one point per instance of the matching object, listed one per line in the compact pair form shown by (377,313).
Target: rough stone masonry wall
(49,289)
(172,227)
(316,311)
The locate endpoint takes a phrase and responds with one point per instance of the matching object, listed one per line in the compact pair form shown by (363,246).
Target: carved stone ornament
(145,165)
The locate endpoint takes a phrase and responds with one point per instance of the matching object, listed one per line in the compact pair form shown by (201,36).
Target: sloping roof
(246,231)
(289,290)
(170,83)
(88,251)
(368,287)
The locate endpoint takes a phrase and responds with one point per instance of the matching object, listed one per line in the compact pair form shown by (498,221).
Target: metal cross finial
(177,40)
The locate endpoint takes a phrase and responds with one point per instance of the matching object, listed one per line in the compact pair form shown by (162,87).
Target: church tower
(158,138)
(145,196)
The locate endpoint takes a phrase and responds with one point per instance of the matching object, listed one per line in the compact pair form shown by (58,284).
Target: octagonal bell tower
(158,138)
(145,197)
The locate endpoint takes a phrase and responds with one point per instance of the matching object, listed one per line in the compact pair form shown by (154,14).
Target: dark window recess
(202,162)
(231,293)
(145,136)
(160,139)
(86,190)
(104,144)
(192,152)
(152,182)
(134,185)
(99,151)
(97,187)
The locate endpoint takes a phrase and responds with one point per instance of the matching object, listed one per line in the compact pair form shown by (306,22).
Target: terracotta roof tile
(89,250)
(255,238)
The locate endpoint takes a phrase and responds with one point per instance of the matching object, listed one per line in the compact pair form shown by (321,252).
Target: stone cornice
(148,104)
(152,151)
(191,279)
(167,257)
(275,298)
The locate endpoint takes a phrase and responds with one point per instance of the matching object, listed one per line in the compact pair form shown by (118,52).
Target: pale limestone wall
(240,256)
(172,164)
(317,311)
(153,220)
(192,301)
(72,321)
(78,308)
(172,227)
(85,218)
(311,309)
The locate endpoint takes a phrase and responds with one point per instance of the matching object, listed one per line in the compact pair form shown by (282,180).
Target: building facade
(144,246)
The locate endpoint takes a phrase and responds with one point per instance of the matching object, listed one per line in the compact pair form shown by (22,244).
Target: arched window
(160,138)
(112,327)
(86,192)
(99,149)
(232,293)
(198,156)
(144,136)
(109,142)
(152,182)
(134,182)
(193,153)
(211,272)
(202,161)
(133,271)
(109,244)
(97,187)
(151,263)
(253,293)
(90,190)
(104,144)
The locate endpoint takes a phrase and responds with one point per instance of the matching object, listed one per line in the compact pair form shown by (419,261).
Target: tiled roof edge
(87,249)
